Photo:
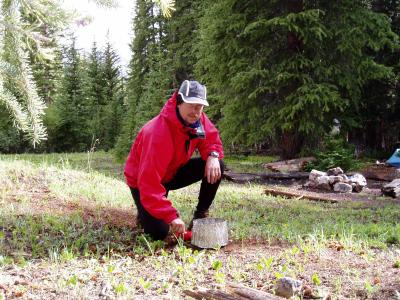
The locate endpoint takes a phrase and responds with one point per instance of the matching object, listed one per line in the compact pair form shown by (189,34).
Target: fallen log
(210,295)
(234,292)
(300,195)
(250,293)
(253,177)
(241,177)
(286,176)
(289,165)
(381,172)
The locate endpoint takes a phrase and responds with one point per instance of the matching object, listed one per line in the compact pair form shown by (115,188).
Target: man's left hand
(213,170)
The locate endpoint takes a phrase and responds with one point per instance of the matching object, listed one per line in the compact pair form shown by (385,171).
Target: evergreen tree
(94,89)
(146,26)
(285,69)
(181,39)
(18,89)
(380,125)
(114,98)
(72,107)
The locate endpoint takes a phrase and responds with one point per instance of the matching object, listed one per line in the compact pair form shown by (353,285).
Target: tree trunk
(291,143)
(290,140)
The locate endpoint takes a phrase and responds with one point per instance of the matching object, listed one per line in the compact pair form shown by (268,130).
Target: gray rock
(358,182)
(310,184)
(314,174)
(342,187)
(345,178)
(392,189)
(287,287)
(322,182)
(335,171)
(335,179)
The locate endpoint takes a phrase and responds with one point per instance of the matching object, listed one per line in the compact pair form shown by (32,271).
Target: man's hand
(177,226)
(212,170)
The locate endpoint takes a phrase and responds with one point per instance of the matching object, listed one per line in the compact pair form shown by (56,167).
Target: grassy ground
(67,231)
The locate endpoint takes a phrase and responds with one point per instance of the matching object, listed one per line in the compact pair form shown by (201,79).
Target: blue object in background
(394,160)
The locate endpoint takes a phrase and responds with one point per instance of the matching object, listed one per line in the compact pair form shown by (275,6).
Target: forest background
(277,72)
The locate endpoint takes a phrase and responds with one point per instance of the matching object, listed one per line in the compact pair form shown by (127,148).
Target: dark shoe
(197,215)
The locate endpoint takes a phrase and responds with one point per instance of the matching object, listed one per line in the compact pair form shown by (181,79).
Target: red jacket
(159,151)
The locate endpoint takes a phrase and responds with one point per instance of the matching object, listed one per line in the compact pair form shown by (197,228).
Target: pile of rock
(335,180)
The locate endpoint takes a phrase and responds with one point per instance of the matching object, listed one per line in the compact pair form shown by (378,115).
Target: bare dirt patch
(39,201)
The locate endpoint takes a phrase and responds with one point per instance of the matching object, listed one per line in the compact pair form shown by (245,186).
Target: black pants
(192,172)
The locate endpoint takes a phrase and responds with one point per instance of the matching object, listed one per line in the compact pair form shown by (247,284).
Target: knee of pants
(157,234)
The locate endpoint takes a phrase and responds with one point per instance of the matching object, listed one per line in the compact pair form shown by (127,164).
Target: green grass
(101,161)
(251,214)
(116,254)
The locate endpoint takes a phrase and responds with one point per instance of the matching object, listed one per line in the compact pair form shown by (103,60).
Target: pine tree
(114,98)
(285,69)
(380,125)
(146,26)
(71,107)
(94,89)
(180,40)
(18,89)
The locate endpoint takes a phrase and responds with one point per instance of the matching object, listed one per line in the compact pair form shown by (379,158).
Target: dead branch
(250,177)
(212,295)
(250,293)
(276,192)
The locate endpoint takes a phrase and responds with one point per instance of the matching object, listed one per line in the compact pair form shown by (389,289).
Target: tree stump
(210,233)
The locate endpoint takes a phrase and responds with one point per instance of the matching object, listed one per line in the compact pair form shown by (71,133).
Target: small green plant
(145,284)
(146,242)
(396,264)
(315,279)
(369,288)
(73,280)
(216,265)
(219,277)
(336,152)
(110,269)
(67,255)
(120,288)
(393,240)
(5,260)
(265,263)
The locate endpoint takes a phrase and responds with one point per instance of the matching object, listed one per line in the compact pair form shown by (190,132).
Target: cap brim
(194,100)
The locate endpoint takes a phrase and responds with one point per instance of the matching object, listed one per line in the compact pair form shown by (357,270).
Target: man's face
(190,113)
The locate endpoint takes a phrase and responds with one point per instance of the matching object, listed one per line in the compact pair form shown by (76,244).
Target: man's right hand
(177,226)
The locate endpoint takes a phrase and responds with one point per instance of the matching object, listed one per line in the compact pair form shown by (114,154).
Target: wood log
(289,165)
(381,172)
(253,177)
(286,176)
(250,293)
(212,295)
(241,177)
(299,195)
(234,292)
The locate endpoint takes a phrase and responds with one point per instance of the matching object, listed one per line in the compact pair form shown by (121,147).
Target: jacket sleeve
(157,152)
(212,142)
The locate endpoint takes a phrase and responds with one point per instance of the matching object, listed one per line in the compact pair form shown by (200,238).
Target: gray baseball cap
(193,92)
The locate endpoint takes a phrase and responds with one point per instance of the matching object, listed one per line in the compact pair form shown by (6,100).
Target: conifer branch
(23,101)
(19,116)
(166,6)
